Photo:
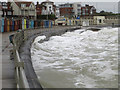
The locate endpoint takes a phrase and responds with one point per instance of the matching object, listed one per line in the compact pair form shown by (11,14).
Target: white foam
(91,54)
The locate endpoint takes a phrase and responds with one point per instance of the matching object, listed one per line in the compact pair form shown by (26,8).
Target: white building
(99,20)
(57,12)
(24,9)
(77,8)
(50,7)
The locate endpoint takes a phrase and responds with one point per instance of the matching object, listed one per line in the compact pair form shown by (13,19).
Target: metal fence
(19,65)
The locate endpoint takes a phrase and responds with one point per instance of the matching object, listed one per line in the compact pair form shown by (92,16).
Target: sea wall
(22,44)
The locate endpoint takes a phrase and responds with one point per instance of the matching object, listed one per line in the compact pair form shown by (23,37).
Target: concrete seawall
(25,52)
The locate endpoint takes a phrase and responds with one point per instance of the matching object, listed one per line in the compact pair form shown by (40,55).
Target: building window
(4,3)
(86,13)
(22,12)
(4,7)
(100,21)
(79,10)
(78,5)
(23,5)
(70,5)
(9,13)
(79,14)
(83,12)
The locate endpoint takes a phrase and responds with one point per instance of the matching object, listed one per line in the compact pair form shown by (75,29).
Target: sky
(106,5)
(76,0)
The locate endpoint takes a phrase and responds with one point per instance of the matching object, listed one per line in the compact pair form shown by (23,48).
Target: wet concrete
(8,76)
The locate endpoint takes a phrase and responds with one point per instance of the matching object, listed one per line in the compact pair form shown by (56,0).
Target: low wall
(25,74)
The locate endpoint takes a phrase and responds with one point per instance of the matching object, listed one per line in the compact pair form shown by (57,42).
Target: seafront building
(112,19)
(24,9)
(6,10)
(76,10)
(66,10)
(50,7)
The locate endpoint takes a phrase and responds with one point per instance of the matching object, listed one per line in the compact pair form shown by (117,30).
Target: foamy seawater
(78,60)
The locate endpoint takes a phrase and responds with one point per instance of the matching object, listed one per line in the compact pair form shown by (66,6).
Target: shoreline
(25,54)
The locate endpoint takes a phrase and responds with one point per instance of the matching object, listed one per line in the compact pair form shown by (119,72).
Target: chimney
(37,3)
(86,5)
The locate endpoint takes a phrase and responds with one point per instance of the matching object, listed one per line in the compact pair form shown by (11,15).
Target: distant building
(87,10)
(50,8)
(87,19)
(57,13)
(76,10)
(109,20)
(40,8)
(66,10)
(6,9)
(99,20)
(91,20)
(24,9)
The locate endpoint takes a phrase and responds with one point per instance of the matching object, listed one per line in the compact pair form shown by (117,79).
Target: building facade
(87,10)
(49,8)
(66,10)
(57,13)
(76,10)
(109,20)
(40,8)
(24,9)
(6,9)
(99,20)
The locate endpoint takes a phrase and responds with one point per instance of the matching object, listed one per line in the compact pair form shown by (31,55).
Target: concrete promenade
(8,77)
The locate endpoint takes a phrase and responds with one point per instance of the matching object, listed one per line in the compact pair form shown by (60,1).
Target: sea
(79,59)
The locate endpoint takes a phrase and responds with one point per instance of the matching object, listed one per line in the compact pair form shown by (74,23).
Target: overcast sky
(75,0)
(106,5)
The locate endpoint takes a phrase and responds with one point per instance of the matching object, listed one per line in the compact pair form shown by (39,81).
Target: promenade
(8,77)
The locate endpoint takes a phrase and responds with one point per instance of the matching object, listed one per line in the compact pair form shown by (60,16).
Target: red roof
(23,2)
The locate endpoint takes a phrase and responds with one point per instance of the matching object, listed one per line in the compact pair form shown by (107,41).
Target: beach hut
(8,25)
(24,23)
(2,25)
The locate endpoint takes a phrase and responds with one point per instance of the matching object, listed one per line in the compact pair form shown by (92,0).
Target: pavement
(8,75)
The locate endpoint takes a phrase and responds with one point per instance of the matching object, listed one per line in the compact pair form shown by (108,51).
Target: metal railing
(20,76)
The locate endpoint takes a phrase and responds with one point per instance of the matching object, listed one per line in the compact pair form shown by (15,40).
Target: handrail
(19,65)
